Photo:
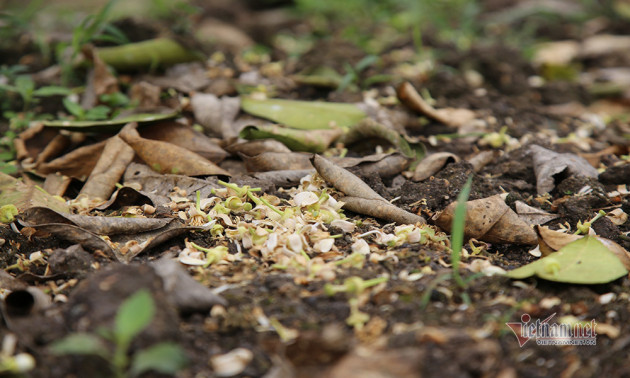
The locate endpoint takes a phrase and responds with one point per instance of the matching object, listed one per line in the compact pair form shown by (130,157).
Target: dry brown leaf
(381,209)
(164,157)
(216,115)
(257,147)
(77,163)
(56,184)
(109,169)
(432,164)
(146,95)
(186,137)
(532,215)
(277,161)
(551,240)
(490,220)
(361,198)
(343,180)
(483,158)
(548,164)
(452,117)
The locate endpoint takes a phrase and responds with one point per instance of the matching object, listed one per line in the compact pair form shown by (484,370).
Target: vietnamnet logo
(547,333)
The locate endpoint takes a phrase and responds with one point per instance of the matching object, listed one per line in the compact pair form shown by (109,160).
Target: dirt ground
(420,323)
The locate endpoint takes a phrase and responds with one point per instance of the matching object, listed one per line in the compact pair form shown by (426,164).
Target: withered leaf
(277,161)
(183,291)
(186,137)
(432,164)
(548,164)
(97,224)
(110,167)
(380,209)
(26,195)
(165,157)
(491,220)
(77,163)
(361,198)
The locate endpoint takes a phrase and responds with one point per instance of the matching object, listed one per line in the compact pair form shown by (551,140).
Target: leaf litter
(303,258)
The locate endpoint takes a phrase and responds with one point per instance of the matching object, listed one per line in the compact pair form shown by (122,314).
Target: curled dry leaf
(277,161)
(231,363)
(483,158)
(164,157)
(490,220)
(380,209)
(432,164)
(532,215)
(548,164)
(100,225)
(257,147)
(343,180)
(360,197)
(109,169)
(186,137)
(452,117)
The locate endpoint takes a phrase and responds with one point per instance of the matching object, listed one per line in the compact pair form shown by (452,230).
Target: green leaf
(457,230)
(97,113)
(80,343)
(108,126)
(165,358)
(584,261)
(52,90)
(296,140)
(134,315)
(306,115)
(74,108)
(25,86)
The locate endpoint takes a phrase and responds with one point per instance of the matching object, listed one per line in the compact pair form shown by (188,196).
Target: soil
(421,326)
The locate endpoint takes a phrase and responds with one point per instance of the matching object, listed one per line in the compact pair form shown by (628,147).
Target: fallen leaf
(490,220)
(584,261)
(182,290)
(35,216)
(296,140)
(532,215)
(452,117)
(186,137)
(110,167)
(145,54)
(108,126)
(257,147)
(216,115)
(77,163)
(360,197)
(306,115)
(380,209)
(548,164)
(27,195)
(368,128)
(164,157)
(432,164)
(277,161)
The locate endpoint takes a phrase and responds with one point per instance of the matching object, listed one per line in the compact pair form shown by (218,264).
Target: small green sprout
(134,315)
(355,260)
(357,318)
(582,228)
(213,255)
(8,213)
(353,285)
